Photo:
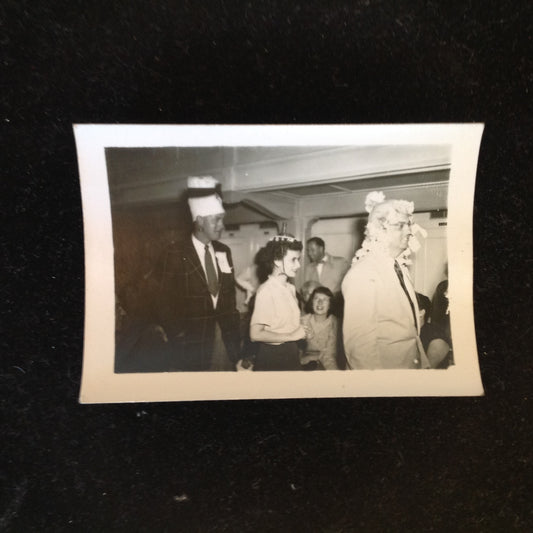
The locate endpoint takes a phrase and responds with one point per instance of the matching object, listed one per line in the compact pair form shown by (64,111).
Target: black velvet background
(420,464)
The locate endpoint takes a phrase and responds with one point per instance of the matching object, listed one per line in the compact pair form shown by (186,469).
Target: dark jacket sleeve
(169,307)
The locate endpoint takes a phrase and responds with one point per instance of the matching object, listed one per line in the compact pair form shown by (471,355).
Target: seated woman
(435,340)
(321,349)
(304,295)
(275,323)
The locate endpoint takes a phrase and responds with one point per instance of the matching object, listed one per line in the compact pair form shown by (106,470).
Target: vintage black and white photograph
(267,266)
(278,261)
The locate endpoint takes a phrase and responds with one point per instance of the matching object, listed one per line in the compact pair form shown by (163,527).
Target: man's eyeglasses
(401,225)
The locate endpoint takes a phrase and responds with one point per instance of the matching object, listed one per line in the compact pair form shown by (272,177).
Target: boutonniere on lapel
(223,263)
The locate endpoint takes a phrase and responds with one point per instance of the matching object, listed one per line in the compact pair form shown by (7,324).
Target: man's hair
(387,212)
(317,240)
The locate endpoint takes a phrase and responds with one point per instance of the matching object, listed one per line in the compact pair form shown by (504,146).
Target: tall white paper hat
(203,198)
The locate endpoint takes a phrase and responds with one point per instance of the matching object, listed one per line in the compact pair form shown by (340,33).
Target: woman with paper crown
(275,322)
(381,319)
(198,288)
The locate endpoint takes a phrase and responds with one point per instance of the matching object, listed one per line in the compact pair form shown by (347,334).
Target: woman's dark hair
(320,290)
(274,250)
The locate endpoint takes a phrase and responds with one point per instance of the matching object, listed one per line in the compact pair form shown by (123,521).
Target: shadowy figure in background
(139,345)
(250,280)
(440,318)
(433,336)
(327,270)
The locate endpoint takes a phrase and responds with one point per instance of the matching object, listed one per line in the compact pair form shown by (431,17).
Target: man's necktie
(212,281)
(399,273)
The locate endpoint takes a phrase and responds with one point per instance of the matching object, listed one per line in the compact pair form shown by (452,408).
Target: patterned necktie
(399,273)
(212,281)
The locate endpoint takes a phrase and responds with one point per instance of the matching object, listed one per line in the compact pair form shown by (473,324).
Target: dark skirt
(277,357)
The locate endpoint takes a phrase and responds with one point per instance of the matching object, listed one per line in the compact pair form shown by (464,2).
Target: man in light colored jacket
(381,319)
(328,270)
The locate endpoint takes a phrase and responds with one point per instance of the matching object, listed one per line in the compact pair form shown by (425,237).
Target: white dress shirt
(199,246)
(320,266)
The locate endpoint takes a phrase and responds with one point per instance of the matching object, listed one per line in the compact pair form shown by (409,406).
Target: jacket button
(415,361)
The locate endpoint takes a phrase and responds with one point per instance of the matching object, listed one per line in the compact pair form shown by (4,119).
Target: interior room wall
(340,218)
(343,237)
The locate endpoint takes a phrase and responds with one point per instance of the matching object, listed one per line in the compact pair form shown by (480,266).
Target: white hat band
(205,205)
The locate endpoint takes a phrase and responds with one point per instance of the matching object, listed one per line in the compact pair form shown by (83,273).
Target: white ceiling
(139,175)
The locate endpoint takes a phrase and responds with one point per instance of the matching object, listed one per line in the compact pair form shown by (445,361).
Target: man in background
(325,269)
(197,289)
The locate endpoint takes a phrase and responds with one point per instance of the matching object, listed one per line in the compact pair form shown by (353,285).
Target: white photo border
(100,384)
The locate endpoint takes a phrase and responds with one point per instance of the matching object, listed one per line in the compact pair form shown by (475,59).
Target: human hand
(298,333)
(309,334)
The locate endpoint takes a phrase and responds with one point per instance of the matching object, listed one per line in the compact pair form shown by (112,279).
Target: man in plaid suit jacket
(197,289)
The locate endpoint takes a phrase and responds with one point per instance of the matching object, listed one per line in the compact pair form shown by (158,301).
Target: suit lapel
(191,256)
(386,268)
(405,298)
(412,293)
